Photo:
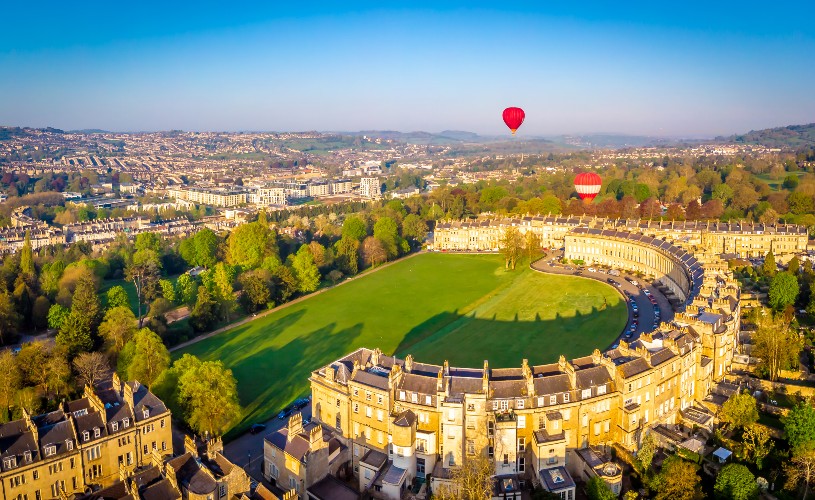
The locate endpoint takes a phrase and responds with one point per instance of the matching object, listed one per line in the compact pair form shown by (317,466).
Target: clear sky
(691,69)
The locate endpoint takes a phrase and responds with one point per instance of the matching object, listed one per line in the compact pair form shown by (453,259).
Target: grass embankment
(463,308)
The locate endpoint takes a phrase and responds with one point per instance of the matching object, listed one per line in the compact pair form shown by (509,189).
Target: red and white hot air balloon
(587,185)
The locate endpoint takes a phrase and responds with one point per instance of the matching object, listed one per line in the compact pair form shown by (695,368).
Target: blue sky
(692,69)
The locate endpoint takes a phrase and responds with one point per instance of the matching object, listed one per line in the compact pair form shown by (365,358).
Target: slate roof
(190,474)
(297,447)
(374,459)
(418,383)
(405,419)
(589,377)
(331,488)
(370,379)
(553,384)
(394,475)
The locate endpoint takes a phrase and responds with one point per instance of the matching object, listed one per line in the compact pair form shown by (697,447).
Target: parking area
(246,451)
(647,306)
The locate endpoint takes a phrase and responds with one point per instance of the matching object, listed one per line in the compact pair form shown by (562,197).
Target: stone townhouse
(84,444)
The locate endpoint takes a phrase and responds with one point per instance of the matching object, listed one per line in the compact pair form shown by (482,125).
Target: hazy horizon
(691,71)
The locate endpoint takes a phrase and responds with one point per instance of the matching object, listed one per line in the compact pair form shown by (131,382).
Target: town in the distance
(385,315)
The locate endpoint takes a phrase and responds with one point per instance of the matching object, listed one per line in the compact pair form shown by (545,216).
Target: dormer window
(50,450)
(96,432)
(146,412)
(69,444)
(9,462)
(114,426)
(565,397)
(586,394)
(519,403)
(27,457)
(126,423)
(86,435)
(601,389)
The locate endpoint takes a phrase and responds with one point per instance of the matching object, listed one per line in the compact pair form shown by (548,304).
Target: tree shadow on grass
(465,340)
(270,378)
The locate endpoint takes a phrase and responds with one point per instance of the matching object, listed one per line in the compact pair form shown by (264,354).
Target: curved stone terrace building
(743,239)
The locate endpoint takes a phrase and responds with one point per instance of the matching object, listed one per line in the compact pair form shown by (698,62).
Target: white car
(592,270)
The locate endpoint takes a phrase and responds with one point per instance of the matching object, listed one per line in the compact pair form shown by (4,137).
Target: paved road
(247,450)
(646,309)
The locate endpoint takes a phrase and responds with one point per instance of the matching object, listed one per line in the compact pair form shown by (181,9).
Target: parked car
(257,428)
(284,413)
(592,270)
(300,403)
(631,280)
(614,272)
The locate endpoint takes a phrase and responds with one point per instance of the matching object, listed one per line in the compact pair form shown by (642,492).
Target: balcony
(505,416)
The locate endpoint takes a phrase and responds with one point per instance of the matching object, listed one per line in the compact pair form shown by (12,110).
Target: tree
(308,276)
(205,245)
(793,266)
(740,410)
(58,373)
(800,203)
(353,227)
(387,233)
(75,335)
(800,470)
(148,357)
(209,394)
(222,287)
(783,290)
(117,297)
(373,252)
(118,327)
(472,481)
(678,480)
(27,259)
(533,245)
(775,343)
(187,287)
(249,244)
(167,290)
(85,303)
(414,228)
(769,267)
(735,482)
(511,247)
(50,274)
(9,383)
(757,444)
(39,312)
(204,315)
(57,315)
(145,276)
(256,289)
(90,368)
(799,428)
(9,318)
(285,283)
(645,455)
(347,255)
(597,489)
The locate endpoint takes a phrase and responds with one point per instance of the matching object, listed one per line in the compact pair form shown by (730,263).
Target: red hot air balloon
(587,185)
(514,117)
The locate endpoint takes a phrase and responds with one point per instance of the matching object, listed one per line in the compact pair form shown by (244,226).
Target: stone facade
(86,443)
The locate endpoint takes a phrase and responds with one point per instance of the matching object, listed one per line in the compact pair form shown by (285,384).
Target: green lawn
(129,287)
(776,184)
(464,308)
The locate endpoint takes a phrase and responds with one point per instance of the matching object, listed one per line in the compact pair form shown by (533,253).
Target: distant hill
(430,138)
(89,131)
(790,137)
(612,141)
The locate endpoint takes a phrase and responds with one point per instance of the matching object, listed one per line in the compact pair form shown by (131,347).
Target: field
(464,308)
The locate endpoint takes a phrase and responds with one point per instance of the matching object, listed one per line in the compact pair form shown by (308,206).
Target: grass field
(129,287)
(464,308)
(776,184)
